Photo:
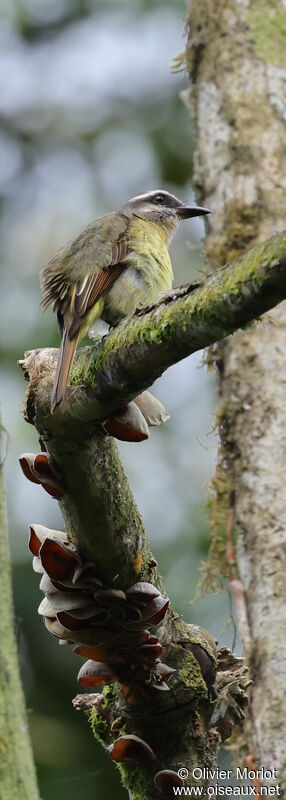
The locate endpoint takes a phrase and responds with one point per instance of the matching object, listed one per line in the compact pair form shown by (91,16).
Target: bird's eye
(159,198)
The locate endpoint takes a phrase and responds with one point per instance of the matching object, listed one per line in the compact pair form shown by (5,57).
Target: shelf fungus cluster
(132,423)
(41,469)
(110,628)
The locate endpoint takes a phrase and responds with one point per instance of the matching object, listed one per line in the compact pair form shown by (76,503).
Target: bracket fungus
(132,423)
(41,469)
(128,425)
(131,750)
(111,628)
(166,781)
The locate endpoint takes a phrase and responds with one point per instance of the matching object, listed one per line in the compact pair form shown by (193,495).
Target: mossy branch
(110,373)
(100,514)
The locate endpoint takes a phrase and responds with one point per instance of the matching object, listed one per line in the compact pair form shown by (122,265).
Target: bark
(236,60)
(17,771)
(103,522)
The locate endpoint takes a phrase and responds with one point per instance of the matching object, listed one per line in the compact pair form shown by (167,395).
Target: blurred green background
(90,114)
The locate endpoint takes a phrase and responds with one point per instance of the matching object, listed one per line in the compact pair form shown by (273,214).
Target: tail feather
(66,354)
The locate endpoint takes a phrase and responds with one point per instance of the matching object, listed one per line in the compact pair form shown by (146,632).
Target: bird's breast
(147,273)
(140,284)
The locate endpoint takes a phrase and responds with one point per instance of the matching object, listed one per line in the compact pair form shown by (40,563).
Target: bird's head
(163,208)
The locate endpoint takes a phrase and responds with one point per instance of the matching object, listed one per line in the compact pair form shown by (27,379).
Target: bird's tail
(66,354)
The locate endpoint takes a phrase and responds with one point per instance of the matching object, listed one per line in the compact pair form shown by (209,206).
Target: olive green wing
(84,270)
(87,293)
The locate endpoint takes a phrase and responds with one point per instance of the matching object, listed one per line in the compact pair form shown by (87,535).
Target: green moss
(109,693)
(198,635)
(133,779)
(241,228)
(219,508)
(268,26)
(99,718)
(190,674)
(267,31)
(99,726)
(101,715)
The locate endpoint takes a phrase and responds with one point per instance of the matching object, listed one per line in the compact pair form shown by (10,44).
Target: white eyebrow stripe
(149,195)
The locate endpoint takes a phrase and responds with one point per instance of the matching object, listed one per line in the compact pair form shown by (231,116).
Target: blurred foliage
(90,115)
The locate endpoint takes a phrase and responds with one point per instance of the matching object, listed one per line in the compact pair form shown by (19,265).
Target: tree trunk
(17,771)
(236,58)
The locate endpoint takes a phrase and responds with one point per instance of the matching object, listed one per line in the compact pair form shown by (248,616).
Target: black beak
(186,212)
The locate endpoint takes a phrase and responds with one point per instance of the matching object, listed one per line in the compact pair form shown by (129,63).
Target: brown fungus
(102,653)
(95,673)
(26,461)
(58,559)
(45,468)
(38,534)
(166,781)
(129,425)
(165,671)
(142,591)
(148,652)
(130,750)
(40,469)
(110,597)
(108,626)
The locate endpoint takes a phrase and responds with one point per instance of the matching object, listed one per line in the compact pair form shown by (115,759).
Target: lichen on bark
(267,20)
(235,57)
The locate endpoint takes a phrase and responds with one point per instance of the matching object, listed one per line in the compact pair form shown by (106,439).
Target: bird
(119,262)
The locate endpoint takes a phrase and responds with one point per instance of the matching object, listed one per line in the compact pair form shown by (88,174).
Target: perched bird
(119,262)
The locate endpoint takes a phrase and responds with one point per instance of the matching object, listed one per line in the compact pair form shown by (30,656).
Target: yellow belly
(131,291)
(147,273)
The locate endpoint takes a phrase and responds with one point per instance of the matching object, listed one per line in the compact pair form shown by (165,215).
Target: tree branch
(138,350)
(102,520)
